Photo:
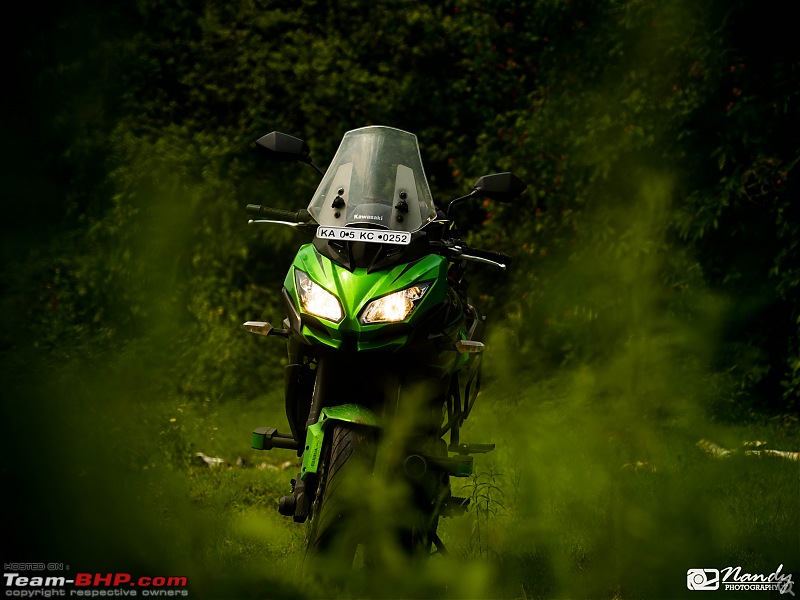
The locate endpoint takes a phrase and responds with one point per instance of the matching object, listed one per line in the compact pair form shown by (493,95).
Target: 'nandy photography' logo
(732,579)
(702,579)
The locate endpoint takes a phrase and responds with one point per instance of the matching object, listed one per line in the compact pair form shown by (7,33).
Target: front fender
(346,413)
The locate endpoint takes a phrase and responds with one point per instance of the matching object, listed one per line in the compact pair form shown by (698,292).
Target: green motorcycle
(384,345)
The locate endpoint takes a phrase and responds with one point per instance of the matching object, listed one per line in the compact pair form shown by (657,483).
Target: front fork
(304,401)
(417,466)
(298,505)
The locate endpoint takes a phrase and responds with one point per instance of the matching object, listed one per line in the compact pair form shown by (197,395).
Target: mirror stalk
(472,194)
(316,168)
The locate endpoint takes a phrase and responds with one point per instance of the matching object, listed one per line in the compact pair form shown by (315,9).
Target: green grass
(113,484)
(562,509)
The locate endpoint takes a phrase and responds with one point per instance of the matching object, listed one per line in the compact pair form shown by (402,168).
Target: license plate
(353,234)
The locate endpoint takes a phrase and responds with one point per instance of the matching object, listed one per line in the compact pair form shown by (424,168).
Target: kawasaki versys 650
(384,344)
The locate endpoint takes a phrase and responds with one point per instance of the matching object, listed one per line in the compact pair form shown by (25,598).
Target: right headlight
(316,300)
(395,307)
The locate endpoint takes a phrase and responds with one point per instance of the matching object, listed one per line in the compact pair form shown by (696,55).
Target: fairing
(355,290)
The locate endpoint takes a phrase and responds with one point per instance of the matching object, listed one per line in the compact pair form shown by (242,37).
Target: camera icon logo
(702,579)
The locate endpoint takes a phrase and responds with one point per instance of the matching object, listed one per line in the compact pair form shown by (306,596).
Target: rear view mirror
(282,147)
(502,187)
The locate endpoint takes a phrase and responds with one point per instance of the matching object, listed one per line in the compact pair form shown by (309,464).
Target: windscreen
(376,179)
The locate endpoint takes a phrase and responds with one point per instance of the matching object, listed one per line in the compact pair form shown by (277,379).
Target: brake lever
(485,261)
(290,224)
(458,249)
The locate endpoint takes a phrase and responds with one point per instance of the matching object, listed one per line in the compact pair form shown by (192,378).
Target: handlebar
(277,214)
(454,249)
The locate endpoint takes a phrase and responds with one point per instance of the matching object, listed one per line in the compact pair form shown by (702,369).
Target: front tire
(339,518)
(348,455)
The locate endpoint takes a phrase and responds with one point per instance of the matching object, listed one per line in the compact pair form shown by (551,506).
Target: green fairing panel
(348,413)
(358,288)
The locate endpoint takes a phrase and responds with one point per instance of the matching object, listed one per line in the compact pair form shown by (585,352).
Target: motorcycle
(384,344)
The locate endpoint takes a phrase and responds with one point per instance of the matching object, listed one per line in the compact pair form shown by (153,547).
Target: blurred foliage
(655,253)
(654,281)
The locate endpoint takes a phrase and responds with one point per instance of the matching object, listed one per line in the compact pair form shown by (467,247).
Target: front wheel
(348,455)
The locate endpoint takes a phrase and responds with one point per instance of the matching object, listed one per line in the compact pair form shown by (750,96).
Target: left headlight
(395,307)
(316,300)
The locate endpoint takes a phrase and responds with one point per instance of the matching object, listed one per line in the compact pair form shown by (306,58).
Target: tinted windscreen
(375,179)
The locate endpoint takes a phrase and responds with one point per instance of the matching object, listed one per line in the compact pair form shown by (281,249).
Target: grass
(576,502)
(589,494)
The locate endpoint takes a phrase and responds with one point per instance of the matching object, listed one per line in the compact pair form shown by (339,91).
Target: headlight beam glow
(316,300)
(395,307)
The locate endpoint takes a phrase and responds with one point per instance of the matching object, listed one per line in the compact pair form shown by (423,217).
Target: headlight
(394,307)
(315,300)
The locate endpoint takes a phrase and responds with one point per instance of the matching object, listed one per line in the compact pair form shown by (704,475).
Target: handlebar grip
(278,214)
(489,255)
